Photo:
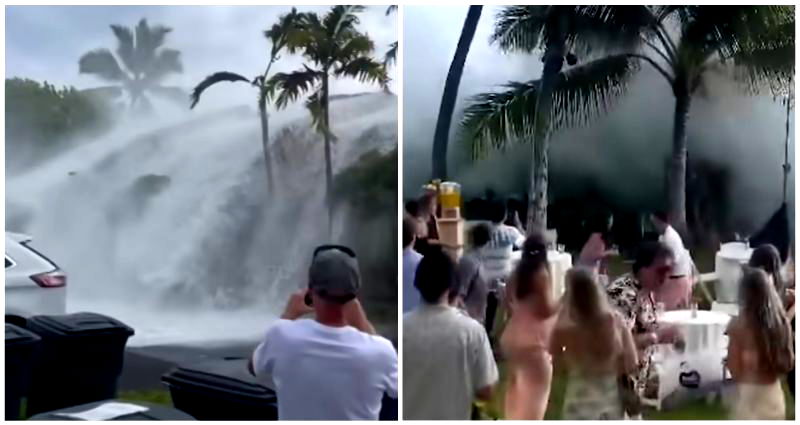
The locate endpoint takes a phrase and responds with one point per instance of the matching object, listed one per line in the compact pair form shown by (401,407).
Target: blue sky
(45,42)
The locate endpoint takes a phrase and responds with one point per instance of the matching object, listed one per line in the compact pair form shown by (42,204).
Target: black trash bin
(154,412)
(220,389)
(81,360)
(22,347)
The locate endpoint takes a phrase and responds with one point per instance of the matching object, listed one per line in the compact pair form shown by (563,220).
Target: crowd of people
(601,334)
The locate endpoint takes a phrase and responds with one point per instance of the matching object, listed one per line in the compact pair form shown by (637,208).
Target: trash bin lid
(16,335)
(226,375)
(80,324)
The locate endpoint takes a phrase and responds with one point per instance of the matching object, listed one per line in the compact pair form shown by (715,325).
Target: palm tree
(277,35)
(529,111)
(335,48)
(391,54)
(756,43)
(757,40)
(146,64)
(442,132)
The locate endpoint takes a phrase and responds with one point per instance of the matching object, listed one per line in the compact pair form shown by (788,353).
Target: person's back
(444,355)
(328,373)
(332,367)
(760,349)
(473,287)
(503,240)
(591,350)
(447,357)
(592,344)
(525,341)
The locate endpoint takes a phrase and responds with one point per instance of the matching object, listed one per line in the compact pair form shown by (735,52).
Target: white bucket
(728,267)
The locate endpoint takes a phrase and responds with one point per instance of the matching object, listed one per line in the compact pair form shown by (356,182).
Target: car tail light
(53,279)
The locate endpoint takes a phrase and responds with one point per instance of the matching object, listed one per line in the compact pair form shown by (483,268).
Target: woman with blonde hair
(526,339)
(592,345)
(759,349)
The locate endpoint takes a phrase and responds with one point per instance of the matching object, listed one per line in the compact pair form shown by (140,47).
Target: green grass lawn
(695,410)
(156,396)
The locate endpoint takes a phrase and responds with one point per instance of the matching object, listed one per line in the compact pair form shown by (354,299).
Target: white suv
(34,284)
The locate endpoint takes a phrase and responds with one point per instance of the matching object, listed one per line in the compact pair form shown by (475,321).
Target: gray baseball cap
(334,272)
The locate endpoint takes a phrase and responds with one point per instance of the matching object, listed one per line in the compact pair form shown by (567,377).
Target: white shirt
(683,260)
(497,253)
(446,360)
(411,297)
(326,373)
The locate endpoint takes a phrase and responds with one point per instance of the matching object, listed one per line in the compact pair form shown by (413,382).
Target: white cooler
(728,267)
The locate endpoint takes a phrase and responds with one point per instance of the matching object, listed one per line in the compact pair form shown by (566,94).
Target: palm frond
(520,28)
(586,92)
(352,45)
(581,94)
(391,55)
(125,47)
(148,40)
(173,94)
(391,9)
(101,62)
(768,66)
(167,61)
(664,13)
(492,120)
(365,70)
(212,79)
(285,88)
(608,28)
(341,18)
(725,30)
(306,34)
(317,109)
(279,32)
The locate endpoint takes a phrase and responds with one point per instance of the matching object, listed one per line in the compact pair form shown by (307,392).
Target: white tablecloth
(560,262)
(699,368)
(704,330)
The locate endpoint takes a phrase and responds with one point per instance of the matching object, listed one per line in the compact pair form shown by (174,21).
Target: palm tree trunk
(786,166)
(450,94)
(537,194)
(328,164)
(677,172)
(262,110)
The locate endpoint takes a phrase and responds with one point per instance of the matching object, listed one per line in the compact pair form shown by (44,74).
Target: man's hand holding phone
(296,307)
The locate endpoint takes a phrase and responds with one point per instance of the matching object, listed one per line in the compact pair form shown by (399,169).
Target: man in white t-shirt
(676,293)
(447,359)
(504,239)
(331,367)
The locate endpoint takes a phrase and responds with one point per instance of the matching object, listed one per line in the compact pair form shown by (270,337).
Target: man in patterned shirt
(633,296)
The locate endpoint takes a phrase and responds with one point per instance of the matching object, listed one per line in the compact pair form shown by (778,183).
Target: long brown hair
(534,257)
(586,301)
(766,257)
(588,308)
(765,317)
